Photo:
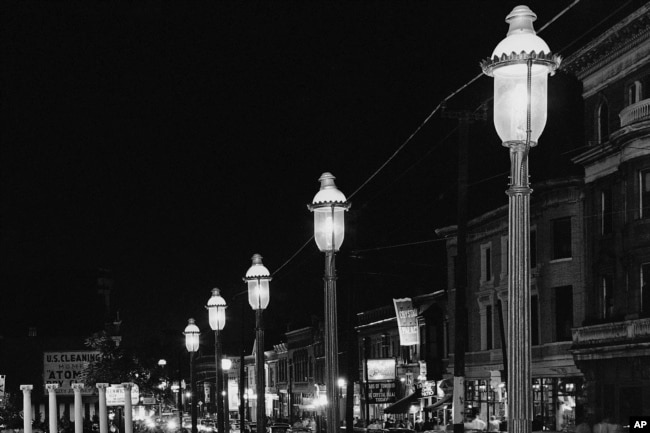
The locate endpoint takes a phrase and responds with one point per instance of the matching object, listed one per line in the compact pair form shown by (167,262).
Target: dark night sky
(169,142)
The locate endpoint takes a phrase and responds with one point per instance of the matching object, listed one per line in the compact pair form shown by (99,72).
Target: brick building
(557,299)
(612,345)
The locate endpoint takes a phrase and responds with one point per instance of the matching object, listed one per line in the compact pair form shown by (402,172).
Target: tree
(116,364)
(10,412)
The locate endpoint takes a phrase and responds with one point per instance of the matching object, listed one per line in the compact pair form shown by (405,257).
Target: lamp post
(520,65)
(226,364)
(342,383)
(163,384)
(329,206)
(217,312)
(192,344)
(258,277)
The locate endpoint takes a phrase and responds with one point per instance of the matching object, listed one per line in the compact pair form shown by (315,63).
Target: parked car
(235,427)
(207,426)
(279,427)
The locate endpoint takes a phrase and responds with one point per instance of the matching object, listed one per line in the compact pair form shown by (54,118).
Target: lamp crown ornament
(216,300)
(520,44)
(328,192)
(257,269)
(521,20)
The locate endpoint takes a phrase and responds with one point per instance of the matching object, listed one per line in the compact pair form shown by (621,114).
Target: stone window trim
(484,300)
(487,266)
(504,258)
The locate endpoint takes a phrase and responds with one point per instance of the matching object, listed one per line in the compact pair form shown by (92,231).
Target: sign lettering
(407,322)
(65,368)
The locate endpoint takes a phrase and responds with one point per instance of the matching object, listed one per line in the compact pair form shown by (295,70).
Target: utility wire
(415,132)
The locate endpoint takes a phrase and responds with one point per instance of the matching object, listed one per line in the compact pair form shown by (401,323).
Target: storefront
(485,398)
(554,400)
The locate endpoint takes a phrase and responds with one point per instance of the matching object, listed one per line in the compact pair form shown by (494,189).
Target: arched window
(634,93)
(602,122)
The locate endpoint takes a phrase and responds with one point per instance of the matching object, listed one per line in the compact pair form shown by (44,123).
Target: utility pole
(460,320)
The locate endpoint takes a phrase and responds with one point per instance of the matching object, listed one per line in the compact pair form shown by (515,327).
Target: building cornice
(633,31)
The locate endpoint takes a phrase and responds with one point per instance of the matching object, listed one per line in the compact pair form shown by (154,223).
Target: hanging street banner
(407,322)
(64,369)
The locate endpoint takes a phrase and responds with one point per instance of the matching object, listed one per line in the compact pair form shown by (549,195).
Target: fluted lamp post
(217,312)
(258,277)
(520,65)
(329,206)
(192,344)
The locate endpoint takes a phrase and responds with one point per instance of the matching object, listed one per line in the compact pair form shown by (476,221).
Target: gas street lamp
(217,316)
(258,277)
(329,206)
(192,344)
(520,65)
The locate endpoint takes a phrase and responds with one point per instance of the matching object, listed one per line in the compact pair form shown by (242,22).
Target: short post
(103,415)
(78,417)
(53,415)
(128,409)
(27,407)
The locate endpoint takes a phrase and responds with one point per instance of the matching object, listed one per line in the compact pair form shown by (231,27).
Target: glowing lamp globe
(258,277)
(520,56)
(192,336)
(329,206)
(226,364)
(216,311)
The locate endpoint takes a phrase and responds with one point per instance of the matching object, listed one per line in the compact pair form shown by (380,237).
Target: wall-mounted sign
(381,369)
(115,395)
(429,388)
(381,392)
(2,389)
(407,321)
(64,369)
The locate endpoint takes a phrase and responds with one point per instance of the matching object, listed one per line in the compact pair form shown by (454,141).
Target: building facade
(611,346)
(401,381)
(557,304)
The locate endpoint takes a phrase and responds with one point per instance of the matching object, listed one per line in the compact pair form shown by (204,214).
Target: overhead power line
(415,132)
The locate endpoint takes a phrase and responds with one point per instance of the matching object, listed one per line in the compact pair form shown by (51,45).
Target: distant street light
(217,315)
(192,344)
(329,206)
(163,385)
(342,383)
(258,277)
(520,65)
(226,364)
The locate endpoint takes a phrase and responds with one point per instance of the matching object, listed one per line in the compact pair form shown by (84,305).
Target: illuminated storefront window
(554,402)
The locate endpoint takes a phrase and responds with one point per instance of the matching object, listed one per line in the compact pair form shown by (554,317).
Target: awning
(437,405)
(403,405)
